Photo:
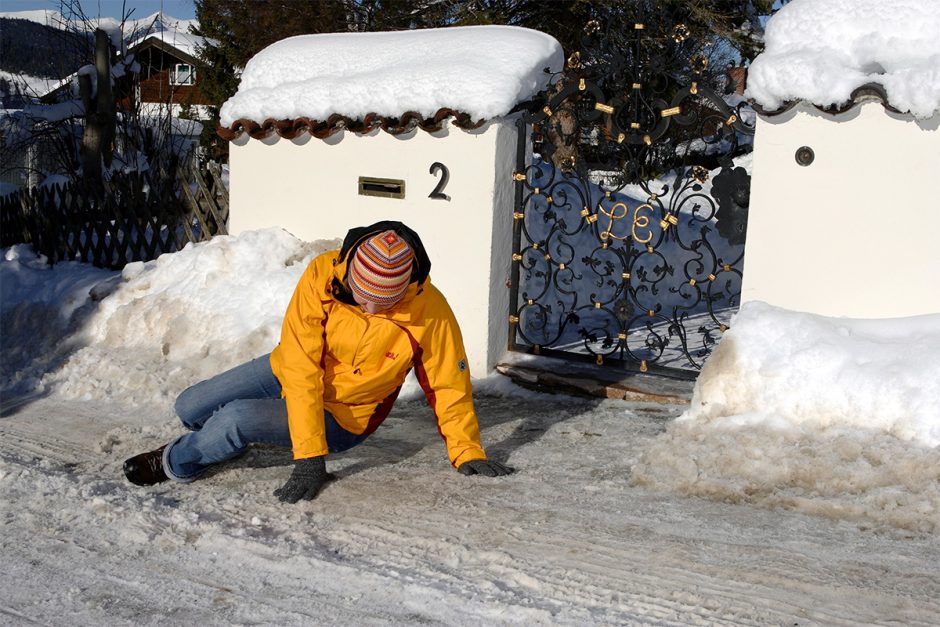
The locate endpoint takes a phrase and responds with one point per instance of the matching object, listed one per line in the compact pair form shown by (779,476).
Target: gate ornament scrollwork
(629,211)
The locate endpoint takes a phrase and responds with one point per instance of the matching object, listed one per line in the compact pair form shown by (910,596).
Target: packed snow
(480,70)
(822,50)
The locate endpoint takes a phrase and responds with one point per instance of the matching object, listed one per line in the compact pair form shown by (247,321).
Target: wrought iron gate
(628,238)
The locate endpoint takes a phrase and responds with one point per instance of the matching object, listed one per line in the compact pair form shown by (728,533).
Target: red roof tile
(289,129)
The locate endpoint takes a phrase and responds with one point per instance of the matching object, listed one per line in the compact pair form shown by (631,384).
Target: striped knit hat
(380,271)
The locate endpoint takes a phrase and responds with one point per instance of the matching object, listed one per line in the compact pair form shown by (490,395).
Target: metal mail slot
(385,188)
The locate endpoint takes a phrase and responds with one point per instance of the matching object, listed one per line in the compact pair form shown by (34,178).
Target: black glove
(305,482)
(484,467)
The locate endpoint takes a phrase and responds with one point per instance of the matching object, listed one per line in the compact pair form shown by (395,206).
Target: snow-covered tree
(90,124)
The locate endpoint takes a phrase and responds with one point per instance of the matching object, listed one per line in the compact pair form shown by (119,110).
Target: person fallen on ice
(360,318)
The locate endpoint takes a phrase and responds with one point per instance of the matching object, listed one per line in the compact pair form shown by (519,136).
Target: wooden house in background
(169,75)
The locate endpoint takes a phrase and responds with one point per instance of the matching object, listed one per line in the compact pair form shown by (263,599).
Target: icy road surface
(402,538)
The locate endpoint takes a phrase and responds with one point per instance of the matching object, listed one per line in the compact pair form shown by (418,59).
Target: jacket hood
(359,234)
(422,263)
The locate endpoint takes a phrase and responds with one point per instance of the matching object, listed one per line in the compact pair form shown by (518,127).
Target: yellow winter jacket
(334,356)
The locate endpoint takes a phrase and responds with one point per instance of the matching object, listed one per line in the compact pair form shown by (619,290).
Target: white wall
(857,232)
(310,188)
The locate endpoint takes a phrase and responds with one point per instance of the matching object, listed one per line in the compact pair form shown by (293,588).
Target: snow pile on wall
(833,416)
(822,50)
(480,70)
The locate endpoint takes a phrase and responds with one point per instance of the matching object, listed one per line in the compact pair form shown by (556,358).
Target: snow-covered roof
(821,51)
(480,71)
(182,41)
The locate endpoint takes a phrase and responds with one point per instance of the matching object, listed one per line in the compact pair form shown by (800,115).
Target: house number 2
(438,192)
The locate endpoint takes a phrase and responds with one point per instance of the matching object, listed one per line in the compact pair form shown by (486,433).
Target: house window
(183,74)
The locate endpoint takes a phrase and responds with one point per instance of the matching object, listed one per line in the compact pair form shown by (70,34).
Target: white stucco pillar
(854,233)
(310,187)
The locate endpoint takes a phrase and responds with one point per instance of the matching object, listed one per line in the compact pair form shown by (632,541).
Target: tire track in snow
(22,443)
(120,576)
(644,572)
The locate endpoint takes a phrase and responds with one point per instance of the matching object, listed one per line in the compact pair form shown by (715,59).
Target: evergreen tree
(239,29)
(236,30)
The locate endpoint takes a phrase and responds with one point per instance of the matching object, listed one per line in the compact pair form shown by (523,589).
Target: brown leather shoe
(146,468)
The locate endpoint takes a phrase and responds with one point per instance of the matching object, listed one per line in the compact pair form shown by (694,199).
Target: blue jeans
(232,410)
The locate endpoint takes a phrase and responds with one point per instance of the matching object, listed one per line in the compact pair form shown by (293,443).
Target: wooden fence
(135,216)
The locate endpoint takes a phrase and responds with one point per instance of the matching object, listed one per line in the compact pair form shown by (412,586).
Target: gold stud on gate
(680,33)
(643,366)
(600,360)
(669,220)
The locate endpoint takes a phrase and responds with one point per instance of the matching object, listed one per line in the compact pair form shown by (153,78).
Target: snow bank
(828,416)
(822,50)
(481,70)
(140,336)
(834,416)
(38,305)
(185,316)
